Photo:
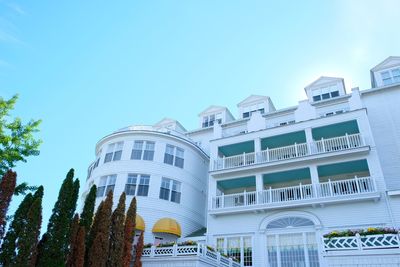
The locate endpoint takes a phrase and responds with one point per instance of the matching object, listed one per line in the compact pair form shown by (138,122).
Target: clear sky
(87,68)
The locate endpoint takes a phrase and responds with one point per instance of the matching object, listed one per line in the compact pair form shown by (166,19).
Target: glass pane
(144,179)
(317,98)
(143,190)
(165,183)
(164,193)
(179,162)
(168,159)
(150,146)
(136,154)
(132,178)
(130,189)
(176,186)
(138,145)
(334,93)
(179,152)
(175,197)
(112,179)
(385,74)
(291,250)
(169,149)
(108,157)
(325,96)
(103,181)
(109,188)
(247,251)
(119,146)
(100,191)
(233,247)
(110,148)
(117,155)
(220,245)
(148,155)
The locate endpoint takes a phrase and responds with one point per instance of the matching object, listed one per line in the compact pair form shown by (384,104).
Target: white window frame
(114,152)
(171,185)
(141,181)
(390,76)
(106,184)
(325,93)
(178,155)
(225,248)
(146,148)
(210,120)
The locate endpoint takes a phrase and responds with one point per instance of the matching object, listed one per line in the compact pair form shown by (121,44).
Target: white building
(269,184)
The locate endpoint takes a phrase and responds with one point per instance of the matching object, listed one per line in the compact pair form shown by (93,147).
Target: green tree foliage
(76,253)
(16,139)
(29,236)
(139,251)
(88,211)
(27,210)
(115,254)
(129,234)
(7,186)
(8,248)
(55,248)
(99,234)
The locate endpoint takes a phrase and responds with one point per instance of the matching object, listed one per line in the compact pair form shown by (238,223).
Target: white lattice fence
(362,242)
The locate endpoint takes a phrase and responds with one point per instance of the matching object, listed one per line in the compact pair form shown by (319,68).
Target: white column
(314,179)
(309,139)
(257,148)
(259,182)
(212,190)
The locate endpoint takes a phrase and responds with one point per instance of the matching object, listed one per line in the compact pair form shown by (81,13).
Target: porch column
(257,148)
(309,139)
(314,178)
(259,182)
(212,191)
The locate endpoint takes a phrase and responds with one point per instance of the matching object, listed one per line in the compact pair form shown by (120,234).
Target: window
(133,189)
(238,247)
(114,152)
(143,150)
(390,76)
(174,156)
(209,120)
(249,110)
(325,93)
(106,184)
(170,190)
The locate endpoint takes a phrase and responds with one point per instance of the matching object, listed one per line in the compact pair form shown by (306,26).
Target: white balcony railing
(358,242)
(288,152)
(330,189)
(198,250)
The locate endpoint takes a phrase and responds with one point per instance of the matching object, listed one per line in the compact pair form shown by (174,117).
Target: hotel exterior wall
(190,212)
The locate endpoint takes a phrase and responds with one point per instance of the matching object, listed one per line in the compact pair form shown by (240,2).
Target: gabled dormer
(213,115)
(325,88)
(386,73)
(171,124)
(255,103)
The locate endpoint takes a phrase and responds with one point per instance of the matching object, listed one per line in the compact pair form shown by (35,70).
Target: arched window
(289,222)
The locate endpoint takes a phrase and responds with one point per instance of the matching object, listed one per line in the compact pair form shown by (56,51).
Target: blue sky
(87,68)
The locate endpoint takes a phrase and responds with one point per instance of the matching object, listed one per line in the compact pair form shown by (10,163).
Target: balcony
(331,191)
(341,143)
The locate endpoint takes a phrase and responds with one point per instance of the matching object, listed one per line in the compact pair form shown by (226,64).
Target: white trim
(302,214)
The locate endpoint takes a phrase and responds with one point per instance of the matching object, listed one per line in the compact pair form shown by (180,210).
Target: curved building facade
(165,170)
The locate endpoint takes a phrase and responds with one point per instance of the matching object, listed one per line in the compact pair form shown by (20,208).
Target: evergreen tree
(7,186)
(76,254)
(139,251)
(88,211)
(129,234)
(55,248)
(29,236)
(115,254)
(100,233)
(8,248)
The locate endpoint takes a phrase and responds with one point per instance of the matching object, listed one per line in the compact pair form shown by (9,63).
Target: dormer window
(247,111)
(325,93)
(211,119)
(390,76)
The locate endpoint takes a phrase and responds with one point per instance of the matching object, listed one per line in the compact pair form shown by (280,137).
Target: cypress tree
(99,234)
(29,236)
(115,254)
(76,254)
(139,251)
(55,248)
(8,248)
(130,223)
(87,212)
(7,186)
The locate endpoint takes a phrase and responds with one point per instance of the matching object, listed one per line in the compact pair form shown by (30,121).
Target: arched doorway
(291,242)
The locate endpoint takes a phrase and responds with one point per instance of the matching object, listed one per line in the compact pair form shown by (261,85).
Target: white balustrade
(330,189)
(289,152)
(359,242)
(198,250)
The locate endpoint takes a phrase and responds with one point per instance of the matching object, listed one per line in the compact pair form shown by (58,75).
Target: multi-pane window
(390,76)
(143,150)
(106,184)
(325,93)
(137,185)
(114,152)
(170,190)
(174,156)
(247,111)
(210,120)
(238,247)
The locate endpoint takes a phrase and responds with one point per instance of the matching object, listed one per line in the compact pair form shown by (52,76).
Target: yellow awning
(167,225)
(139,223)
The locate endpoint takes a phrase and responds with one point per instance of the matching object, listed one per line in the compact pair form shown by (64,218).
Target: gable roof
(387,63)
(324,80)
(212,109)
(252,99)
(168,121)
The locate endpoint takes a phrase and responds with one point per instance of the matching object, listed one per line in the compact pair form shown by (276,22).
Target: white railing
(358,242)
(355,186)
(288,152)
(198,250)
